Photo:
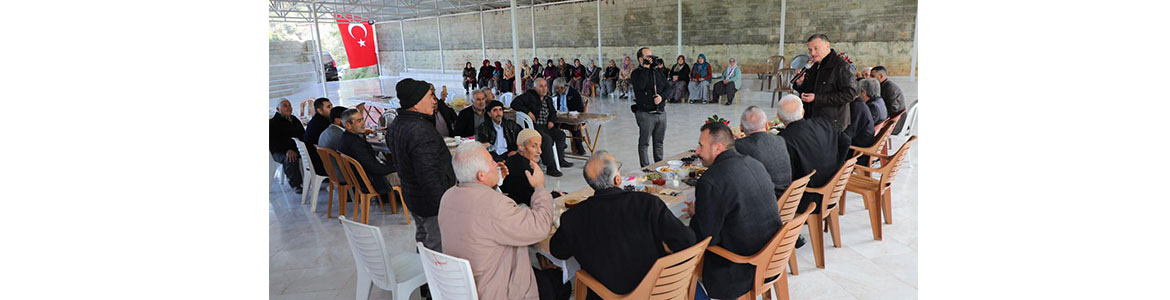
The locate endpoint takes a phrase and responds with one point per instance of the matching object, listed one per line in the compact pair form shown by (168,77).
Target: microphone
(798,74)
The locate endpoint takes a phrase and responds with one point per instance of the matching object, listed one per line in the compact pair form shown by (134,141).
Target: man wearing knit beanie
(421,157)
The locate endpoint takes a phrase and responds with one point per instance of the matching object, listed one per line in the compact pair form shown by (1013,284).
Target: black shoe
(554,173)
(799,242)
(565,164)
(299,190)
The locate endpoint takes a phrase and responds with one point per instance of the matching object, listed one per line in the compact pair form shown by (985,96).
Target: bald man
(281,129)
(617,235)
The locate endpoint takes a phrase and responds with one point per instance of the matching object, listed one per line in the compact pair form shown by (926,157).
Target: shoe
(799,242)
(299,190)
(554,173)
(565,164)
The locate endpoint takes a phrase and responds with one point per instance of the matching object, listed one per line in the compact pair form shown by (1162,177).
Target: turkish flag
(358,36)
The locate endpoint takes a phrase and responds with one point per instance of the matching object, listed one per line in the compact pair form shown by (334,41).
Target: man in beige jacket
(490,230)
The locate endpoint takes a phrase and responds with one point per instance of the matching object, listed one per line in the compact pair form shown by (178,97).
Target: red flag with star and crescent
(358,37)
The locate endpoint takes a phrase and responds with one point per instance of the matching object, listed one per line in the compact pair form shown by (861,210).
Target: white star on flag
(362,43)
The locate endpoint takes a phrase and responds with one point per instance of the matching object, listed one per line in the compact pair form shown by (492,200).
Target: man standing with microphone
(828,86)
(648,106)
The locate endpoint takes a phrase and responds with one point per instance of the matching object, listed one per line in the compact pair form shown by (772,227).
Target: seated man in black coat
(516,184)
(871,92)
(313,130)
(860,130)
(566,99)
(355,145)
(281,129)
(735,205)
(469,119)
(539,107)
(813,144)
(498,133)
(617,235)
(765,147)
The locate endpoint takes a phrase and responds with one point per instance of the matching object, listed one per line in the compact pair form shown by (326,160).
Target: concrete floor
(309,257)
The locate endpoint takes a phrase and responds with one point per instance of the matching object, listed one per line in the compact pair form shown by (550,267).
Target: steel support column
(679,35)
(482,38)
(320,61)
(515,45)
(914,51)
(439,29)
(599,62)
(783,12)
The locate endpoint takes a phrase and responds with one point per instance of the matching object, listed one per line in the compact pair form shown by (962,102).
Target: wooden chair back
(669,278)
(789,202)
(356,175)
(773,259)
(896,164)
(833,190)
(330,160)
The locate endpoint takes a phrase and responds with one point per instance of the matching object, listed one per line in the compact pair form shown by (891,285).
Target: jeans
(724,89)
(292,169)
(650,125)
(607,86)
(699,90)
(427,232)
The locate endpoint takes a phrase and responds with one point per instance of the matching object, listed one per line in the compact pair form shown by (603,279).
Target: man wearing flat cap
(422,158)
(498,133)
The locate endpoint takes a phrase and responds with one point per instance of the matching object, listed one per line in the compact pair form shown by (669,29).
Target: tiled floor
(309,257)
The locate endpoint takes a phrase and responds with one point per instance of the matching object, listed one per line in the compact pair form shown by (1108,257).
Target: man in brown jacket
(490,230)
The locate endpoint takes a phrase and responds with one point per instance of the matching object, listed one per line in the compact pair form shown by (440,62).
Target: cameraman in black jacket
(649,107)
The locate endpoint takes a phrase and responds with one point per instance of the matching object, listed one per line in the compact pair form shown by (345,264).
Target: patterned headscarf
(701,68)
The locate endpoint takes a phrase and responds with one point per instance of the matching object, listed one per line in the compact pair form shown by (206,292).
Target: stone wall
(290,65)
(872,32)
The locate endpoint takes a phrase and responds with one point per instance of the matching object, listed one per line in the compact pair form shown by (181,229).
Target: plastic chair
(771,260)
(830,193)
(772,65)
(874,190)
(312,183)
(672,277)
(330,160)
(448,277)
(364,190)
(400,274)
(783,84)
(789,202)
(277,171)
(911,120)
(506,98)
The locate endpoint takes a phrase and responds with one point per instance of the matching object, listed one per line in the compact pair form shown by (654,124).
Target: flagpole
(321,66)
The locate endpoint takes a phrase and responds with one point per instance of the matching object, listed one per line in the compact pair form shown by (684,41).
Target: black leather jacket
(422,159)
(833,83)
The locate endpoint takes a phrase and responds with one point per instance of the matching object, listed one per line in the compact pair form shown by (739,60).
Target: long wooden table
(676,204)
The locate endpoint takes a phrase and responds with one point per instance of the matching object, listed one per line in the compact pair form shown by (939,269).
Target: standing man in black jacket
(735,206)
(421,157)
(829,85)
(313,131)
(765,147)
(539,107)
(281,129)
(649,107)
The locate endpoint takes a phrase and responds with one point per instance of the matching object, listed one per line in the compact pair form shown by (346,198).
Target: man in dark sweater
(813,144)
(735,205)
(421,158)
(281,129)
(354,144)
(871,91)
(829,85)
(313,130)
(516,184)
(617,235)
(892,94)
(648,85)
(765,147)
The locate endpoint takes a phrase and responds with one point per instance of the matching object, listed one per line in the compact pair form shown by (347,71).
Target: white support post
(377,59)
(914,52)
(679,37)
(402,34)
(599,62)
(482,38)
(439,29)
(533,11)
(783,12)
(320,61)
(515,45)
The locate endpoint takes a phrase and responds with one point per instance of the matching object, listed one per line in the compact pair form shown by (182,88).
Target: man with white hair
(765,147)
(490,231)
(281,129)
(871,92)
(568,99)
(813,144)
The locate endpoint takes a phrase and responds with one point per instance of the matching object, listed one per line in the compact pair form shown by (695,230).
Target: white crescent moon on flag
(358,25)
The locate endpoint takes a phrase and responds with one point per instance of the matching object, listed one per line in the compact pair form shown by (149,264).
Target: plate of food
(656,178)
(570,202)
(666,169)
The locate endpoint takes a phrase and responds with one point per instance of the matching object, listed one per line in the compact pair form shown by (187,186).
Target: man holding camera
(648,105)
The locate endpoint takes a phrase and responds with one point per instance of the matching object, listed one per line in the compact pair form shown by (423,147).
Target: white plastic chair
(400,274)
(506,98)
(911,118)
(276,170)
(312,183)
(448,277)
(526,123)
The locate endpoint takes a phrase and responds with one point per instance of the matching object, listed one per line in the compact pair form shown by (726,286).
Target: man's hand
(689,211)
(657,99)
(807,97)
(550,125)
(503,169)
(536,176)
(532,116)
(510,153)
(800,80)
(292,155)
(675,77)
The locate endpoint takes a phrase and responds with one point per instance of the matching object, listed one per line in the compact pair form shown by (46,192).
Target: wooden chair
(771,260)
(881,142)
(783,84)
(874,190)
(672,277)
(330,159)
(364,190)
(830,193)
(789,202)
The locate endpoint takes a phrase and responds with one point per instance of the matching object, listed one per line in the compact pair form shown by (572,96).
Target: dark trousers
(427,232)
(650,126)
(469,85)
(292,169)
(724,89)
(483,82)
(506,85)
(551,140)
(549,285)
(578,142)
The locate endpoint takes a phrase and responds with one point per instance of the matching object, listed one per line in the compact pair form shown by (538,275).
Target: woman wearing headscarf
(578,75)
(550,72)
(525,73)
(469,82)
(566,70)
(485,74)
(729,84)
(679,74)
(609,79)
(509,81)
(700,77)
(537,72)
(497,76)
(624,77)
(592,77)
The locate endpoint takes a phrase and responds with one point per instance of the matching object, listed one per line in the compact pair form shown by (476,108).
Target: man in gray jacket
(769,149)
